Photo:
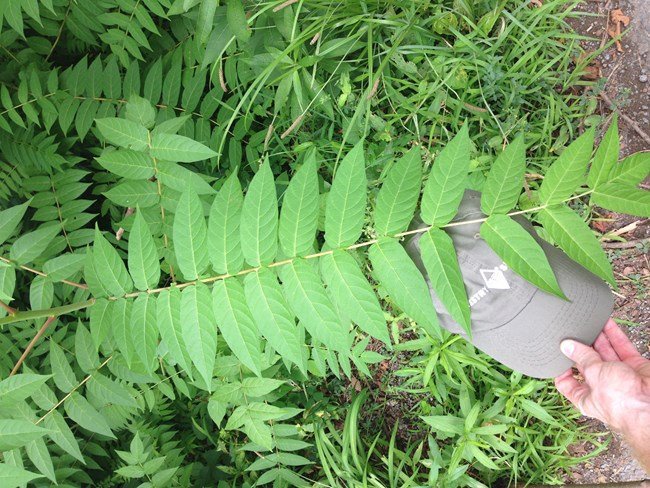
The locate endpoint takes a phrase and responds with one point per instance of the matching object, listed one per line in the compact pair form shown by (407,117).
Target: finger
(575,392)
(605,349)
(583,356)
(619,341)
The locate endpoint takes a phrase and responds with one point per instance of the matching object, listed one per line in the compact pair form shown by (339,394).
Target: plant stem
(30,346)
(48,312)
(10,310)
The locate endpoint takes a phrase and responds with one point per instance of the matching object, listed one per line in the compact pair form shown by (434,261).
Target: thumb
(583,356)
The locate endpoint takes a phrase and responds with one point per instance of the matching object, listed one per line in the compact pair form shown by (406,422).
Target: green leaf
(300,207)
(353,295)
(447,181)
(190,236)
(124,133)
(446,423)
(259,219)
(85,415)
(346,202)
(127,163)
(576,239)
(632,170)
(606,156)
(199,331)
(168,312)
(131,193)
(9,220)
(307,297)
(623,199)
(259,387)
(119,312)
(140,111)
(13,476)
(224,243)
(31,245)
(537,411)
(20,386)
(109,267)
(40,457)
(62,435)
(84,349)
(503,184)
(237,20)
(16,433)
(64,266)
(399,194)
(41,293)
(520,251)
(259,433)
(404,283)
(272,316)
(143,260)
(175,176)
(179,149)
(109,392)
(144,330)
(567,173)
(64,377)
(100,321)
(236,323)
(439,258)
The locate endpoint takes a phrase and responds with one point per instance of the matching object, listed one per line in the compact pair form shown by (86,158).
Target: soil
(626,71)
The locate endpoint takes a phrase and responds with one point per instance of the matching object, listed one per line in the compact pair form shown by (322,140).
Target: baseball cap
(512,320)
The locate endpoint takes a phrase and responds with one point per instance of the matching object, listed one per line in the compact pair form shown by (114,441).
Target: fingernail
(567,348)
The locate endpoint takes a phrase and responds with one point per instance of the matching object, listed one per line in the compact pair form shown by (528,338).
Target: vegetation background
(292,81)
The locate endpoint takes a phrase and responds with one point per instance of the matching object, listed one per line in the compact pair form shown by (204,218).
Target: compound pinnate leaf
(144,330)
(62,435)
(180,149)
(130,193)
(190,236)
(259,219)
(520,251)
(143,260)
(11,476)
(199,329)
(16,433)
(632,170)
(503,184)
(20,386)
(85,415)
(9,220)
(300,206)
(606,156)
(447,181)
(109,267)
(168,313)
(236,17)
(124,133)
(399,194)
(128,164)
(346,202)
(272,315)
(84,348)
(64,377)
(441,263)
(405,284)
(567,173)
(31,245)
(236,323)
(38,454)
(622,198)
(224,243)
(64,266)
(119,312)
(100,321)
(353,295)
(307,297)
(576,239)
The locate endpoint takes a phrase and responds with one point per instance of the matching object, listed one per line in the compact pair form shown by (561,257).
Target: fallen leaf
(617,17)
(536,3)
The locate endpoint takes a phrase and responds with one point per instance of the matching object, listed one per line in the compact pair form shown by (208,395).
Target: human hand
(616,388)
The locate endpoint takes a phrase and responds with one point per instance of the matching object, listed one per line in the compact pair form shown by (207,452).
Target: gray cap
(512,320)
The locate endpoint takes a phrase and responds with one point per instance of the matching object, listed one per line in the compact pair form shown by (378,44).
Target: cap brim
(530,342)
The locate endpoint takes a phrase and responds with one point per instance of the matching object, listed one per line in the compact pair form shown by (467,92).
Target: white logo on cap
(495,279)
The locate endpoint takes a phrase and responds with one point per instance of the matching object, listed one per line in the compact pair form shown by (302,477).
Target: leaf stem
(31,344)
(40,273)
(10,310)
(48,312)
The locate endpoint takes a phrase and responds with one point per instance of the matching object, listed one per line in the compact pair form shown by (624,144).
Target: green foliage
(171,350)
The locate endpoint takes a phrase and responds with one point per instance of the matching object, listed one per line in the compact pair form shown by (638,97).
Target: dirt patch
(624,71)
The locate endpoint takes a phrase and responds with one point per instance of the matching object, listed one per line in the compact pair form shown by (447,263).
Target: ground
(626,71)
